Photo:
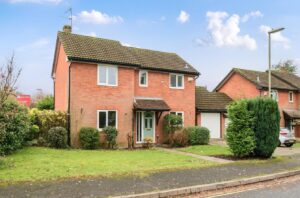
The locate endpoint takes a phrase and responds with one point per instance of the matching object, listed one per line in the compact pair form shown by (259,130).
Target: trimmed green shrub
(240,136)
(32,133)
(266,125)
(111,136)
(57,137)
(47,119)
(180,139)
(198,135)
(89,138)
(47,103)
(14,124)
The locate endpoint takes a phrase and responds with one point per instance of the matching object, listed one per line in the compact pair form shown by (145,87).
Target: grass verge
(35,164)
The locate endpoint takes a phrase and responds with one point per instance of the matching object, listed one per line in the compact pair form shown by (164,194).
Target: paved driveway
(284,151)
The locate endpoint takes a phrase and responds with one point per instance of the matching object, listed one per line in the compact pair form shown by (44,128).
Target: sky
(212,35)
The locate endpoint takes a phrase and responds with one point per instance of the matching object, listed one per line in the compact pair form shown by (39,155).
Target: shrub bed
(89,138)
(111,136)
(197,135)
(14,125)
(57,137)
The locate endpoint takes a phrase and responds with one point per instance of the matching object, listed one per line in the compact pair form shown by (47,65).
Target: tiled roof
(294,114)
(261,79)
(151,105)
(98,50)
(211,101)
(292,79)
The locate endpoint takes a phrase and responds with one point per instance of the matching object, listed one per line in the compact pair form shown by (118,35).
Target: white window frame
(140,75)
(291,99)
(106,122)
(176,113)
(275,91)
(177,75)
(106,70)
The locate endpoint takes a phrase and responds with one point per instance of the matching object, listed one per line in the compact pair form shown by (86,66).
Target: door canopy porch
(293,115)
(156,105)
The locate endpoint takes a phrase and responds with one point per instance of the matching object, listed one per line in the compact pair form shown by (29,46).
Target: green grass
(209,150)
(35,164)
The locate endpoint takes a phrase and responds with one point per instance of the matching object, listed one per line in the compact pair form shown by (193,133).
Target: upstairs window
(107,75)
(274,95)
(291,96)
(176,81)
(107,118)
(143,78)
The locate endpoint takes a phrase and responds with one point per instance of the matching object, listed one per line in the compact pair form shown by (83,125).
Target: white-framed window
(291,96)
(107,75)
(106,118)
(274,95)
(143,78)
(177,81)
(179,113)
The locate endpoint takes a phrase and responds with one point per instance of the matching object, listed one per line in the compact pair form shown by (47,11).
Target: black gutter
(130,65)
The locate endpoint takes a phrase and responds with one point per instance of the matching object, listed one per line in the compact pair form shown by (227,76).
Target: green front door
(148,125)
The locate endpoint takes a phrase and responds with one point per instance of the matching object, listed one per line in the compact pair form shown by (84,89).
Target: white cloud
(276,37)
(97,17)
(224,31)
(253,14)
(40,43)
(93,34)
(36,1)
(183,17)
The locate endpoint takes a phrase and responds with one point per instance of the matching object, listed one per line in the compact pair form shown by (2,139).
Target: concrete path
(208,158)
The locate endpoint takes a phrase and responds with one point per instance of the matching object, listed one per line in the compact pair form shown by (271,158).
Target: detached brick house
(103,83)
(242,83)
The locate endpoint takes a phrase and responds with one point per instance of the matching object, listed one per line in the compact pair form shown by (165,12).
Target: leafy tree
(288,66)
(47,103)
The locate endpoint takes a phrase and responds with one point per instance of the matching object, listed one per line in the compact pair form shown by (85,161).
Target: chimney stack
(67,28)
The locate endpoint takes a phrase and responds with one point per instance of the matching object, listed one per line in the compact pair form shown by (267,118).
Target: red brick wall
(61,81)
(237,87)
(87,97)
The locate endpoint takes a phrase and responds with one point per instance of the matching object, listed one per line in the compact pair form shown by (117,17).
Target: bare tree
(9,75)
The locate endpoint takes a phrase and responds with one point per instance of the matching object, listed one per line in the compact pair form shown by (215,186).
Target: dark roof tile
(211,101)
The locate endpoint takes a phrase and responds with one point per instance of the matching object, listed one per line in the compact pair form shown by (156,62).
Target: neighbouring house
(211,111)
(24,99)
(100,83)
(242,83)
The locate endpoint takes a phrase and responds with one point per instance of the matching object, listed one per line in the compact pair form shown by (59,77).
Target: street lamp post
(269,33)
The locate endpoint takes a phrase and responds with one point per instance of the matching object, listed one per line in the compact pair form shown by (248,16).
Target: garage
(211,111)
(212,121)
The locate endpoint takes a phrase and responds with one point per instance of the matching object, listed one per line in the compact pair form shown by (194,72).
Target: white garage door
(212,122)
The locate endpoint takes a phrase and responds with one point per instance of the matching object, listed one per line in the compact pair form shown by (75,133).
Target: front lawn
(208,150)
(31,164)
